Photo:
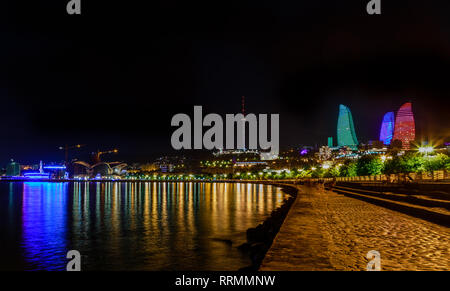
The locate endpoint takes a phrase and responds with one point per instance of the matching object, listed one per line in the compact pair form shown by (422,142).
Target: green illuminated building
(13,169)
(346,135)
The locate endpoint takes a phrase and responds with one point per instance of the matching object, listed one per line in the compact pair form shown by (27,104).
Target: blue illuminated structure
(41,175)
(54,167)
(37,175)
(387,128)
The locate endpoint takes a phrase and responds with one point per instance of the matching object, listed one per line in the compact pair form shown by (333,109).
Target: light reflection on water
(131,226)
(44,224)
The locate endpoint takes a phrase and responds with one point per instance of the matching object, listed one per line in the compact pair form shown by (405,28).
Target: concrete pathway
(328,231)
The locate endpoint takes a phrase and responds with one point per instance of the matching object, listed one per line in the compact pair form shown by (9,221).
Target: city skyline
(121,89)
(225,143)
(344,117)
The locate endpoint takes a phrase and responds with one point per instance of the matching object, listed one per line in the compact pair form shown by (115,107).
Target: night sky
(115,76)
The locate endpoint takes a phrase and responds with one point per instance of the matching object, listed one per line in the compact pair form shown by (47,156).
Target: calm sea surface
(130,226)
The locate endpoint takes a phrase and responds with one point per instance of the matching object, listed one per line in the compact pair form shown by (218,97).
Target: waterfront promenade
(328,231)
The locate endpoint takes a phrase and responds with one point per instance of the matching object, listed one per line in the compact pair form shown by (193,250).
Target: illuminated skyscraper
(330,142)
(346,135)
(387,128)
(405,128)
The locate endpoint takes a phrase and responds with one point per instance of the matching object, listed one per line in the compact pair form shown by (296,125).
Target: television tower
(243,123)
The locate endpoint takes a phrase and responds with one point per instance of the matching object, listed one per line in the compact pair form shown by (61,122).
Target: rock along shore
(260,238)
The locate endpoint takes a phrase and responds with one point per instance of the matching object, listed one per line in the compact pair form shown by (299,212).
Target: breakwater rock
(260,238)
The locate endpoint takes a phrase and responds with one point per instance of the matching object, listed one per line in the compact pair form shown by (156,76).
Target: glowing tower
(346,135)
(387,128)
(405,128)
(243,121)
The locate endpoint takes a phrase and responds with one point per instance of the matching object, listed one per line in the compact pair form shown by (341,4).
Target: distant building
(330,142)
(268,156)
(222,152)
(40,175)
(325,153)
(346,152)
(101,169)
(166,168)
(167,164)
(13,169)
(405,128)
(346,135)
(376,144)
(387,128)
(249,164)
(149,167)
(56,171)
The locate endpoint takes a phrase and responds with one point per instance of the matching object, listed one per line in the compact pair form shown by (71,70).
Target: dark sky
(115,76)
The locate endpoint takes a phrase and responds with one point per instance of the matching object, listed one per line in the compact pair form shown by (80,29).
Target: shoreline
(261,237)
(266,182)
